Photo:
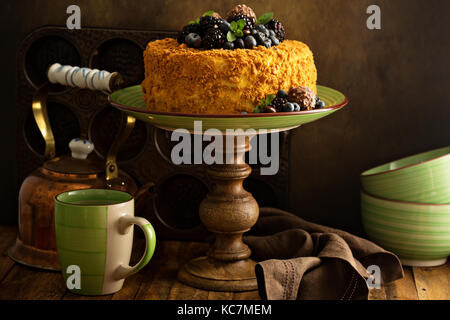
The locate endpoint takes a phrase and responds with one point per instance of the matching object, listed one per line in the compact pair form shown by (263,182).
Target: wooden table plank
(130,287)
(377,294)
(403,289)
(8,235)
(247,295)
(6,265)
(20,282)
(7,238)
(160,273)
(219,295)
(433,283)
(180,291)
(71,296)
(24,283)
(158,279)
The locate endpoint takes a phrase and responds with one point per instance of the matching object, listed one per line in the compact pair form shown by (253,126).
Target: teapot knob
(81,148)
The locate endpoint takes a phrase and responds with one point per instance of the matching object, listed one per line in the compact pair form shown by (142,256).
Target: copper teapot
(36,244)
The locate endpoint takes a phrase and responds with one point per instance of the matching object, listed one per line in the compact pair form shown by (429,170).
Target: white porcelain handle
(93,79)
(125,223)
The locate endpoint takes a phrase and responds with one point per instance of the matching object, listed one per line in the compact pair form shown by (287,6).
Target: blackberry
(278,103)
(209,22)
(213,39)
(249,22)
(278,28)
(190,28)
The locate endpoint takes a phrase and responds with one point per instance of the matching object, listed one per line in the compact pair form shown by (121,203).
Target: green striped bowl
(423,178)
(130,100)
(418,233)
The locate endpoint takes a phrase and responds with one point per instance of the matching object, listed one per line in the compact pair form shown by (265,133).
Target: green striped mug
(94,238)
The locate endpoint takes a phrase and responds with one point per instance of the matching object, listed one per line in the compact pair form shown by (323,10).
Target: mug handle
(125,223)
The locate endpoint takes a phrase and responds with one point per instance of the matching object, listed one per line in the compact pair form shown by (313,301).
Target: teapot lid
(78,162)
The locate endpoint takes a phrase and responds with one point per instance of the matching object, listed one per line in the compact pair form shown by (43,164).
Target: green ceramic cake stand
(228,210)
(130,100)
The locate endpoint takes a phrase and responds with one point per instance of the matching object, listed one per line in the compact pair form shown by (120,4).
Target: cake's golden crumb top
(183,79)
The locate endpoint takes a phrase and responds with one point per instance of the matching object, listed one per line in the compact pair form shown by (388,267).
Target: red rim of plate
(237,115)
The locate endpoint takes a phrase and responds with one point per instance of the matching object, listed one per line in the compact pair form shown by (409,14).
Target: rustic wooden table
(158,280)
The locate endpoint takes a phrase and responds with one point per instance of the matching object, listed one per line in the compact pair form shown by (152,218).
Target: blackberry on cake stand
(228,210)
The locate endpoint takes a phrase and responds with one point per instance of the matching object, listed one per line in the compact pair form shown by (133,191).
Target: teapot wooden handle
(92,79)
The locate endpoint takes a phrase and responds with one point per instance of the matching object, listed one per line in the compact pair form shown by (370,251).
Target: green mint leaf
(257,109)
(230,36)
(233,26)
(208,13)
(239,33)
(192,22)
(269,99)
(262,103)
(241,23)
(266,17)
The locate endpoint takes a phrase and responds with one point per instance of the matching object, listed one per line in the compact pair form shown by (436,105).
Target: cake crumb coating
(187,80)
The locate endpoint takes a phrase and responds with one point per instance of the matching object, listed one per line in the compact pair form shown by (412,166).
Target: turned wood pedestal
(227,211)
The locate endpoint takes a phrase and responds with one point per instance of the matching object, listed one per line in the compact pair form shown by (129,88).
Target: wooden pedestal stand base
(228,211)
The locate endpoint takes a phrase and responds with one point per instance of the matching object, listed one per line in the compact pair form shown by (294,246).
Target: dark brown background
(396,78)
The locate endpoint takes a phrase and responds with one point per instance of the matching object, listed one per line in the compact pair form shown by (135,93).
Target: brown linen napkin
(303,260)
